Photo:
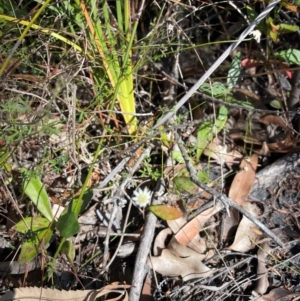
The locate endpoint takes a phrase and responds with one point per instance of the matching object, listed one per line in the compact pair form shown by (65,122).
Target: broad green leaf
(177,156)
(78,206)
(234,71)
(32,247)
(32,223)
(184,184)
(69,250)
(165,212)
(35,190)
(68,225)
(291,56)
(208,130)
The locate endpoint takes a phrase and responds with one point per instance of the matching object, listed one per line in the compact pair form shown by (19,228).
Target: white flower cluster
(142,197)
(256,35)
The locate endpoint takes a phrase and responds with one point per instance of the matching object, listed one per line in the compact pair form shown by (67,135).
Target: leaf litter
(199,250)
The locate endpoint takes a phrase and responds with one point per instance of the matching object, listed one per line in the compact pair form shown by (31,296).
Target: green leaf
(32,223)
(252,14)
(291,56)
(234,71)
(216,89)
(69,250)
(209,129)
(184,184)
(32,247)
(286,27)
(177,156)
(165,212)
(68,225)
(77,205)
(276,104)
(35,190)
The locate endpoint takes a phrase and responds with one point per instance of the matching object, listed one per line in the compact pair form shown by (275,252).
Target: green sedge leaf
(165,212)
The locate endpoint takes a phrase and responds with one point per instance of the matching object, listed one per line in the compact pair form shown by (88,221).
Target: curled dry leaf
(35,293)
(159,243)
(217,151)
(277,294)
(177,224)
(187,233)
(245,237)
(169,264)
(182,251)
(243,180)
(240,188)
(262,283)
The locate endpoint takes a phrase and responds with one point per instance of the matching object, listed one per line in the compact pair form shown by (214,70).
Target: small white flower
(256,35)
(142,197)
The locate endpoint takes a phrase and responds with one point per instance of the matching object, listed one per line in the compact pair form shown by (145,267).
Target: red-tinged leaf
(250,63)
(165,212)
(289,74)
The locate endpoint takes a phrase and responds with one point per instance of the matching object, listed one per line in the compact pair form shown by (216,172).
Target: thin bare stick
(140,268)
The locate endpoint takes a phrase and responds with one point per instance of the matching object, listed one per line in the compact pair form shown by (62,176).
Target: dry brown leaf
(177,224)
(182,251)
(245,238)
(159,243)
(243,180)
(230,223)
(262,283)
(277,120)
(217,151)
(187,233)
(46,294)
(198,244)
(277,294)
(169,264)
(255,230)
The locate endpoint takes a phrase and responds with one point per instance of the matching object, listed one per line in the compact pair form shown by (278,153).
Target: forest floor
(139,160)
